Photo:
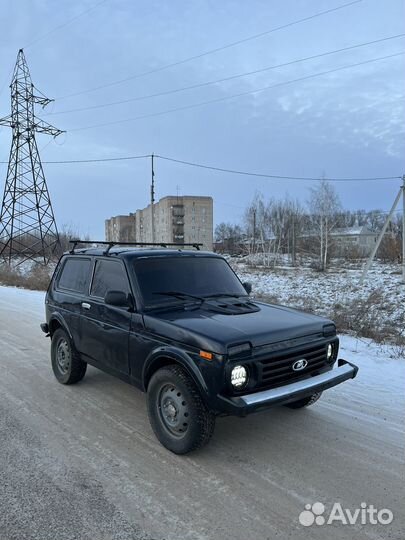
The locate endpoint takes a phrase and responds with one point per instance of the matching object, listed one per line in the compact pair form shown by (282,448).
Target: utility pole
(293,247)
(403,228)
(27,223)
(254,230)
(152,200)
(381,236)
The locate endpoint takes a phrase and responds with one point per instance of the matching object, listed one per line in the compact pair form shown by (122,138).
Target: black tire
(305,402)
(177,413)
(67,365)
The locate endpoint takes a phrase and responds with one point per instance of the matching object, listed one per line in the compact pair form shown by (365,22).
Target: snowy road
(81,462)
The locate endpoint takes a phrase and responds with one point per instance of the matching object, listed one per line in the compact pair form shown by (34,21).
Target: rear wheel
(67,365)
(305,402)
(178,415)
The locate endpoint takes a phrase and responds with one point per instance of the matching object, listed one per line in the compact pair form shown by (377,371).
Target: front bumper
(242,405)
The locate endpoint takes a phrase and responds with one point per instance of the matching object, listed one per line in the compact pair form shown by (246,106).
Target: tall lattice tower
(27,223)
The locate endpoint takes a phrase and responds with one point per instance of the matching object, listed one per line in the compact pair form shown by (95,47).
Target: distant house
(359,238)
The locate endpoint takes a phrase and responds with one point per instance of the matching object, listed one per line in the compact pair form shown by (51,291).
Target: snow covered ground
(376,307)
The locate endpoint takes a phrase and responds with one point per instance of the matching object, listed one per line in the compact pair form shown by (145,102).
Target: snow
(26,267)
(353,231)
(379,385)
(381,298)
(12,298)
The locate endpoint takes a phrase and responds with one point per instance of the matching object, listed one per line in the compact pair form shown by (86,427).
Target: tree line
(321,229)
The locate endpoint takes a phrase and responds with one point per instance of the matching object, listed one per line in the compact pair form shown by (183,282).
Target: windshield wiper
(180,295)
(228,295)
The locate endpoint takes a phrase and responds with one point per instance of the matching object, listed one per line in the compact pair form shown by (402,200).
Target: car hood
(215,331)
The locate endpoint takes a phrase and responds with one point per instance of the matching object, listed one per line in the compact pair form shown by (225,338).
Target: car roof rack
(135,244)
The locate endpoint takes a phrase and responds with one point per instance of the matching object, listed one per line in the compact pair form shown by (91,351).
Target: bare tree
(259,222)
(222,232)
(254,223)
(294,225)
(229,237)
(324,204)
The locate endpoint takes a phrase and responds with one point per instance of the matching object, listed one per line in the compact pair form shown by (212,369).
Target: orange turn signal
(206,355)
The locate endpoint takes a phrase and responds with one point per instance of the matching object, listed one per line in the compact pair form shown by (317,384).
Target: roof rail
(143,244)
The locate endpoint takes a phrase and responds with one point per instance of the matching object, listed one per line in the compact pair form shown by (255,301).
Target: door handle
(85,305)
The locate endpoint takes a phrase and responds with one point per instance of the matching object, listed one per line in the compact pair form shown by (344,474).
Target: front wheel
(67,365)
(178,415)
(305,402)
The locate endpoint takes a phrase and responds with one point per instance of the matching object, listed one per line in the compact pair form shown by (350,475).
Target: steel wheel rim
(63,356)
(173,410)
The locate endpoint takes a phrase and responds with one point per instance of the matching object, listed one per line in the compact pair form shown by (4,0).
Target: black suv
(180,325)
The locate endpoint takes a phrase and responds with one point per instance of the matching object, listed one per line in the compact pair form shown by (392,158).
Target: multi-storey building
(120,228)
(178,219)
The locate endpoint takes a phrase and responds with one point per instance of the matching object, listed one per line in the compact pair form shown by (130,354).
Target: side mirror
(117,298)
(247,286)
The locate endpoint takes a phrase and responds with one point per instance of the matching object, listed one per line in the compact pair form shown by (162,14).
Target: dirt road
(81,462)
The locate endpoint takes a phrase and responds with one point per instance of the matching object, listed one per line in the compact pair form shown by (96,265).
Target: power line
(273,176)
(69,21)
(100,160)
(225,79)
(241,94)
(211,51)
(362,213)
(220,169)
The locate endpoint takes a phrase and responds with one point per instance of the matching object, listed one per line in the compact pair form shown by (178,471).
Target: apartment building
(178,219)
(120,228)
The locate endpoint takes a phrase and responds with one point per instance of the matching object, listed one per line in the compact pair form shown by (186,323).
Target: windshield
(197,276)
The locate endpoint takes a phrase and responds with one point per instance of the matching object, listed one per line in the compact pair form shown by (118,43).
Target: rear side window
(109,276)
(75,275)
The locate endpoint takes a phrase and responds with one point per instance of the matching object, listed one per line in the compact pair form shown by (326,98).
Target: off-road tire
(305,402)
(74,369)
(199,422)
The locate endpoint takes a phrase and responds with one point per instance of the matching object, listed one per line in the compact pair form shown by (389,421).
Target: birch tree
(324,204)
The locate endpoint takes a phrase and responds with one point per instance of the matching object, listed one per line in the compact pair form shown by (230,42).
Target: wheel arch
(56,321)
(167,356)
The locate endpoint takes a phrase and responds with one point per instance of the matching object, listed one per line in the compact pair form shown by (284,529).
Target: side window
(109,276)
(75,275)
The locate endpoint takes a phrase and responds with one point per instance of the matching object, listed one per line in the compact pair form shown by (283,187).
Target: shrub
(37,278)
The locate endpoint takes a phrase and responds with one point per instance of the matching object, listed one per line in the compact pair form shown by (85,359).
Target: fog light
(239,376)
(329,352)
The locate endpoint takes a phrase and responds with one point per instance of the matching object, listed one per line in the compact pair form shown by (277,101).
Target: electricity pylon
(27,224)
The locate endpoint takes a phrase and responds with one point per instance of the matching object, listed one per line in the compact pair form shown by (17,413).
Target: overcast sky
(350,123)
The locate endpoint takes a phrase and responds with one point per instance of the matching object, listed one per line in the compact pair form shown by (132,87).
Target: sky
(349,123)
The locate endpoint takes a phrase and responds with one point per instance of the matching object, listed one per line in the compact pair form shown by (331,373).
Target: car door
(69,288)
(105,328)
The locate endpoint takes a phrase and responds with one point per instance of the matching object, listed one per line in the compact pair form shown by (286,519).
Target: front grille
(277,369)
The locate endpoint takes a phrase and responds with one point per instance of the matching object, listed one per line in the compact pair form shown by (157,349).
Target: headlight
(329,351)
(239,376)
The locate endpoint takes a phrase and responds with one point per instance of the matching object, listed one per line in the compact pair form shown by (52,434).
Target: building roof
(186,197)
(357,230)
